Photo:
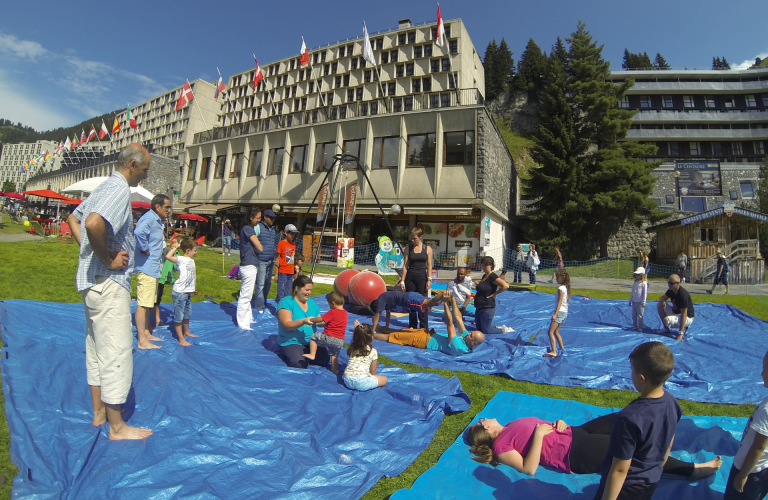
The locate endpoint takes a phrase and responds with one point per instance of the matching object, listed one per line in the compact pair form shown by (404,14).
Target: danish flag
(258,75)
(185,97)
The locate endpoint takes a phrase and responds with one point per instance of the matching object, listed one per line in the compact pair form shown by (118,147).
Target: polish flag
(103,131)
(440,28)
(304,55)
(92,134)
(258,75)
(185,97)
(221,87)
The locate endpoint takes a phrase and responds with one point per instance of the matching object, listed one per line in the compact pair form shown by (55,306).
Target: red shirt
(286,252)
(518,435)
(335,323)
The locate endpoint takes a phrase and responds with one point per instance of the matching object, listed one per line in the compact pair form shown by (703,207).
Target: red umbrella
(141,204)
(192,217)
(46,193)
(15,196)
(72,201)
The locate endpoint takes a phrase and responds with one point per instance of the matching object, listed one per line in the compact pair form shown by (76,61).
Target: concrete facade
(15,155)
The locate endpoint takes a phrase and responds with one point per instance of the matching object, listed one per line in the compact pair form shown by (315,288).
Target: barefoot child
(407,301)
(749,473)
(184,287)
(561,311)
(360,374)
(638,298)
(332,337)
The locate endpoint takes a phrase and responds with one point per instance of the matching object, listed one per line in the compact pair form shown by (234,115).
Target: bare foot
(680,336)
(153,338)
(184,342)
(309,356)
(190,335)
(706,469)
(148,345)
(100,417)
(128,432)
(550,355)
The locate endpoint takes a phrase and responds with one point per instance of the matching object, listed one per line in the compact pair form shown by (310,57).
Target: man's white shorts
(673,320)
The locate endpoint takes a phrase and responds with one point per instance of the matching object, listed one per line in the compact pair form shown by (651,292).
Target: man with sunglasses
(680,314)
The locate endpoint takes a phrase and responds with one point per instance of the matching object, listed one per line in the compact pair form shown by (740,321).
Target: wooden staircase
(747,265)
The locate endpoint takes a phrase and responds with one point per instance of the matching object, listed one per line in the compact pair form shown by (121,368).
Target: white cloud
(21,48)
(749,62)
(20,105)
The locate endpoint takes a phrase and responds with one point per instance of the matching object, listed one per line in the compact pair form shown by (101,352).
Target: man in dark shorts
(402,301)
(721,273)
(680,314)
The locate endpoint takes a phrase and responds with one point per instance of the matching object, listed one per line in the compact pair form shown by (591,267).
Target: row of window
(458,149)
(690,101)
(695,148)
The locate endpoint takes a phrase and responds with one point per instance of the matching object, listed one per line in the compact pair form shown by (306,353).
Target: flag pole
(198,109)
(319,77)
(378,73)
(271,94)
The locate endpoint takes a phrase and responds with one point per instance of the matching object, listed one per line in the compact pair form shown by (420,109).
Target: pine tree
(490,66)
(618,182)
(505,64)
(660,62)
(531,69)
(561,53)
(558,185)
(716,63)
(725,64)
(627,64)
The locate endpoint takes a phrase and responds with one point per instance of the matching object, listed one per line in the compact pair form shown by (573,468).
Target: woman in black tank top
(417,272)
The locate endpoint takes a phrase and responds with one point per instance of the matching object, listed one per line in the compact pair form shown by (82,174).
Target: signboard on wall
(463,244)
(698,178)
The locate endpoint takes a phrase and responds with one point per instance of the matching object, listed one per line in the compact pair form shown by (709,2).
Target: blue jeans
(263,284)
(484,321)
(182,306)
(226,241)
(518,268)
(284,282)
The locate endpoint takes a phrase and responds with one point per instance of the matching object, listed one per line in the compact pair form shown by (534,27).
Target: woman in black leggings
(417,274)
(494,444)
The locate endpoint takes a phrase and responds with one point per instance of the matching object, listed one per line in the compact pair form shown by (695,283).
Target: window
(401,39)
(734,195)
(342,50)
(421,150)
(335,68)
(354,63)
(235,165)
(695,148)
(765,100)
(338,81)
(350,95)
(360,94)
(324,156)
(729,102)
(322,56)
(350,48)
(391,90)
(393,56)
(400,70)
(459,148)
(666,101)
(327,70)
(408,103)
(645,101)
(709,101)
(446,63)
(670,199)
(412,37)
(386,152)
(254,164)
(416,85)
(747,189)
(673,149)
(428,50)
(367,76)
(707,233)
(426,85)
(693,203)
(736,148)
(409,69)
(220,161)
(750,100)
(624,102)
(355,148)
(717,148)
(384,57)
(453,46)
(435,65)
(311,87)
(298,158)
(417,51)
(192,169)
(379,43)
(275,161)
(759,147)
(346,80)
(451,82)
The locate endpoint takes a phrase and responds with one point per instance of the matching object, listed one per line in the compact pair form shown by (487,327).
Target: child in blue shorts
(403,301)
(184,287)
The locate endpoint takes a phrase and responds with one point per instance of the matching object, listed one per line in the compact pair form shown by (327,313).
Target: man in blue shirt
(268,239)
(150,244)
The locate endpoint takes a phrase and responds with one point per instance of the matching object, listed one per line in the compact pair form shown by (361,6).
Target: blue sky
(63,62)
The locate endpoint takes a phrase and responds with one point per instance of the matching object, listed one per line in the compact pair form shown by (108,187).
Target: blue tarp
(719,362)
(230,419)
(457,476)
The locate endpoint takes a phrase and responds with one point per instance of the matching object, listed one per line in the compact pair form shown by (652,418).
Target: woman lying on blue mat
(526,443)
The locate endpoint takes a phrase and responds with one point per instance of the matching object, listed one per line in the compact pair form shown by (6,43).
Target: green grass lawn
(33,271)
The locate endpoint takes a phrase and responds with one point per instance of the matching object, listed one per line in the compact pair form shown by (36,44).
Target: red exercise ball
(364,288)
(341,283)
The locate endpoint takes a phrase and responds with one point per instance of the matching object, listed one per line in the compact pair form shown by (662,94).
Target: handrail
(738,250)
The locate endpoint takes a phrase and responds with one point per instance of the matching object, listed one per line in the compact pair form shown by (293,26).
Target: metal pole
(325,219)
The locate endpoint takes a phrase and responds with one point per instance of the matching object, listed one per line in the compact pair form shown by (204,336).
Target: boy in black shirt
(680,313)
(644,431)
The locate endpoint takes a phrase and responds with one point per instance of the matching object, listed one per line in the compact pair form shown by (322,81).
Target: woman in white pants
(249,265)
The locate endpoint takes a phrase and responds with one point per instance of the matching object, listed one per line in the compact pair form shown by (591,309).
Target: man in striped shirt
(103,279)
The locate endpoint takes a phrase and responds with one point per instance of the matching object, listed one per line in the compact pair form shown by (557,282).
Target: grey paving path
(10,238)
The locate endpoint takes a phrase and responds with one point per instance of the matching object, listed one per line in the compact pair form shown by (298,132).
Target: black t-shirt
(681,300)
(484,289)
(642,432)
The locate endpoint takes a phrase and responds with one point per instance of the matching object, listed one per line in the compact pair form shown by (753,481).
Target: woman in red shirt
(526,443)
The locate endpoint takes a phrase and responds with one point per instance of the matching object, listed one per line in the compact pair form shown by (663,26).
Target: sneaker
(550,281)
(726,292)
(709,292)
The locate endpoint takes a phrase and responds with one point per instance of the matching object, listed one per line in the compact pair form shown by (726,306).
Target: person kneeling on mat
(407,301)
(453,344)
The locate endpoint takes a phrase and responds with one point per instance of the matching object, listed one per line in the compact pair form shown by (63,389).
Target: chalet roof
(737,211)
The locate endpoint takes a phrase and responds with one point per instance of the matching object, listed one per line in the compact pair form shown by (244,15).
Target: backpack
(726,267)
(234,274)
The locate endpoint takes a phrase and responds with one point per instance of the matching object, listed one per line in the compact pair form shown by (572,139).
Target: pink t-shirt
(518,435)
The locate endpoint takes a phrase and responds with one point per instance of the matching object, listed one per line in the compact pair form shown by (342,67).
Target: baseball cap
(639,270)
(290,228)
(269,213)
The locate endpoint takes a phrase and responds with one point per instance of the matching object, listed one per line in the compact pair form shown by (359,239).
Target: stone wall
(628,237)
(164,176)
(730,175)
(496,176)
(517,110)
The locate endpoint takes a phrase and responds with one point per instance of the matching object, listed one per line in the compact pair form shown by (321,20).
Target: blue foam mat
(719,362)
(230,419)
(457,476)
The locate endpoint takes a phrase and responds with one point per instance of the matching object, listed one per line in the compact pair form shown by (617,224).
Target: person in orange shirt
(285,259)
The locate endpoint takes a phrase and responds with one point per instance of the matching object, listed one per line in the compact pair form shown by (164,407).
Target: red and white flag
(83,137)
(220,87)
(70,145)
(60,148)
(103,131)
(92,134)
(185,97)
(304,55)
(258,75)
(440,28)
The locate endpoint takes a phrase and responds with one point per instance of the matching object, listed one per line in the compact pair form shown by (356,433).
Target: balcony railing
(375,107)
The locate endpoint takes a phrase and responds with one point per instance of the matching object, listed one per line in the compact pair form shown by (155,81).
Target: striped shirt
(112,201)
